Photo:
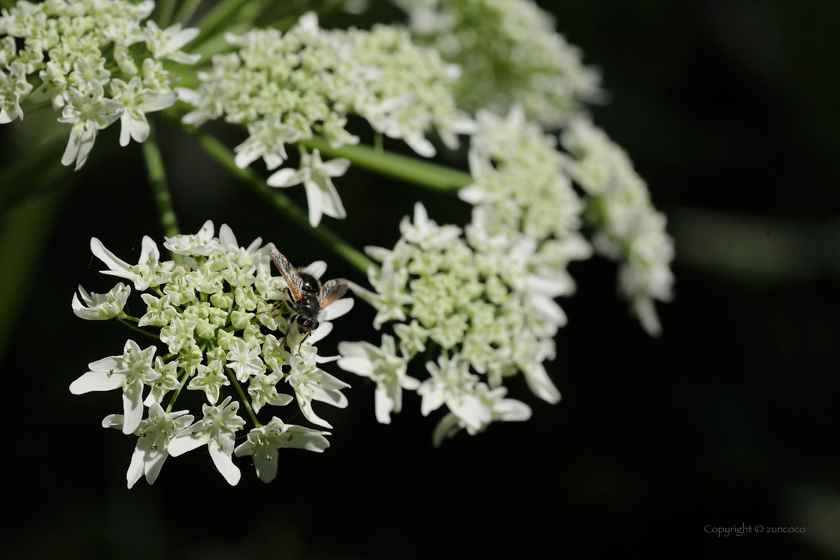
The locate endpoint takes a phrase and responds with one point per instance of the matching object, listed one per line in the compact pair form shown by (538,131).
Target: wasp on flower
(308,296)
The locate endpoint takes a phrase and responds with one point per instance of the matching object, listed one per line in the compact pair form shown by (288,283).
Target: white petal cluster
(522,187)
(628,228)
(520,182)
(95,61)
(479,300)
(293,86)
(220,327)
(509,54)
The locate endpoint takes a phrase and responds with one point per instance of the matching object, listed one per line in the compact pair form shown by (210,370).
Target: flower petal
(96,381)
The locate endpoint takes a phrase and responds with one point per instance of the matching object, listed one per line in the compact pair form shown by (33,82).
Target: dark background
(729,111)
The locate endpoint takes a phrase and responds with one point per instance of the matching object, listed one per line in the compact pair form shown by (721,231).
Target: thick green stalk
(160,190)
(163,13)
(218,20)
(398,166)
(186,11)
(280,201)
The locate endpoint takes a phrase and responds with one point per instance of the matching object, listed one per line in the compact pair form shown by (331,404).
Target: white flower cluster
(217,316)
(287,88)
(509,53)
(75,49)
(521,186)
(477,300)
(627,226)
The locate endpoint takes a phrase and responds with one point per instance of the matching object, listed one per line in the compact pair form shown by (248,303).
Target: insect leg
(308,332)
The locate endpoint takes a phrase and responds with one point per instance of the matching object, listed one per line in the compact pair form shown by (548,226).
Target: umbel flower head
(522,183)
(290,87)
(627,227)
(87,58)
(223,328)
(479,301)
(509,54)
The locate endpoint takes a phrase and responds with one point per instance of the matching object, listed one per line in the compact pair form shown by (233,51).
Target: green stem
(137,329)
(163,13)
(186,11)
(160,190)
(226,13)
(244,398)
(124,315)
(177,392)
(280,201)
(398,166)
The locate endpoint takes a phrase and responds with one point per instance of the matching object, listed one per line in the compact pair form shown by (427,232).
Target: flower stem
(244,398)
(164,13)
(178,390)
(186,11)
(160,190)
(280,201)
(225,14)
(137,329)
(398,166)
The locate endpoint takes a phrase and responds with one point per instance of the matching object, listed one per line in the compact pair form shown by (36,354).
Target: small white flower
(54,84)
(312,384)
(267,140)
(391,297)
(216,430)
(86,69)
(452,384)
(201,244)
(263,390)
(244,359)
(99,307)
(159,311)
(130,372)
(178,334)
(168,42)
(137,101)
(13,88)
(155,433)
(263,444)
(88,111)
(425,233)
(316,177)
(148,272)
(167,382)
(210,379)
(384,367)
(508,410)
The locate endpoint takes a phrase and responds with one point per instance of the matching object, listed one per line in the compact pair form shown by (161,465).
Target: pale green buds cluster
(287,88)
(224,325)
(509,54)
(82,56)
(290,87)
(478,302)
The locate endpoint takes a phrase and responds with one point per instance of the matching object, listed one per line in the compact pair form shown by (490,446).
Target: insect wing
(288,271)
(332,291)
